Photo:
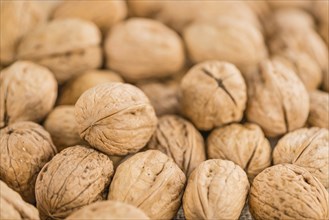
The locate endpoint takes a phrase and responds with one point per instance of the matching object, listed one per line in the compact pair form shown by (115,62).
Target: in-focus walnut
(115,118)
(68,47)
(142,48)
(212,94)
(75,177)
(245,145)
(63,128)
(13,206)
(319,109)
(150,181)
(108,210)
(180,140)
(308,148)
(277,99)
(27,93)
(216,189)
(287,191)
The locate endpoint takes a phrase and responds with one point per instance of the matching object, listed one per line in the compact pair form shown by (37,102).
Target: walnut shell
(124,114)
(75,177)
(150,181)
(27,93)
(319,109)
(245,145)
(108,210)
(179,139)
(308,148)
(216,189)
(277,99)
(320,10)
(213,93)
(142,48)
(303,4)
(14,207)
(66,46)
(287,191)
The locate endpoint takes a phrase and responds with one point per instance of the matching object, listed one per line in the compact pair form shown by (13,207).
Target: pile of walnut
(154,109)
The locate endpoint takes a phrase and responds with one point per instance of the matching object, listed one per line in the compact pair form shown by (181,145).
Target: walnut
(320,10)
(287,191)
(319,109)
(213,93)
(302,4)
(245,145)
(27,93)
(325,83)
(14,207)
(150,181)
(141,48)
(66,46)
(216,189)
(308,148)
(324,31)
(75,177)
(277,99)
(178,138)
(115,118)
(108,210)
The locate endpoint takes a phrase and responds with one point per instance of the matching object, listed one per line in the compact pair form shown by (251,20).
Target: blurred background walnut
(319,109)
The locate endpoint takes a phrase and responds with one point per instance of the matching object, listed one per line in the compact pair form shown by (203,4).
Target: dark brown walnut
(277,99)
(108,210)
(319,109)
(287,191)
(13,206)
(150,181)
(213,93)
(216,189)
(75,177)
(308,148)
(115,118)
(179,140)
(27,93)
(245,145)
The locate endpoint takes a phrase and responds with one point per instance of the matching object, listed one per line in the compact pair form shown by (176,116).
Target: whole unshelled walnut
(319,109)
(75,177)
(277,99)
(14,207)
(115,118)
(287,191)
(27,93)
(213,93)
(110,210)
(308,148)
(245,145)
(216,189)
(180,140)
(150,181)
(142,48)
(67,47)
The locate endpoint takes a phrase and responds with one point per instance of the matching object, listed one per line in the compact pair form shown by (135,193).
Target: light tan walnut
(216,189)
(213,93)
(179,140)
(324,31)
(115,118)
(302,4)
(287,191)
(319,109)
(150,181)
(320,10)
(75,177)
(308,148)
(27,93)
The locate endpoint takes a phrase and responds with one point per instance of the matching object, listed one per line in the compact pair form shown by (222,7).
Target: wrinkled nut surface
(14,207)
(287,191)
(179,140)
(277,99)
(150,181)
(216,189)
(63,128)
(75,177)
(319,109)
(244,145)
(115,118)
(66,46)
(308,148)
(142,48)
(212,94)
(108,210)
(27,93)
